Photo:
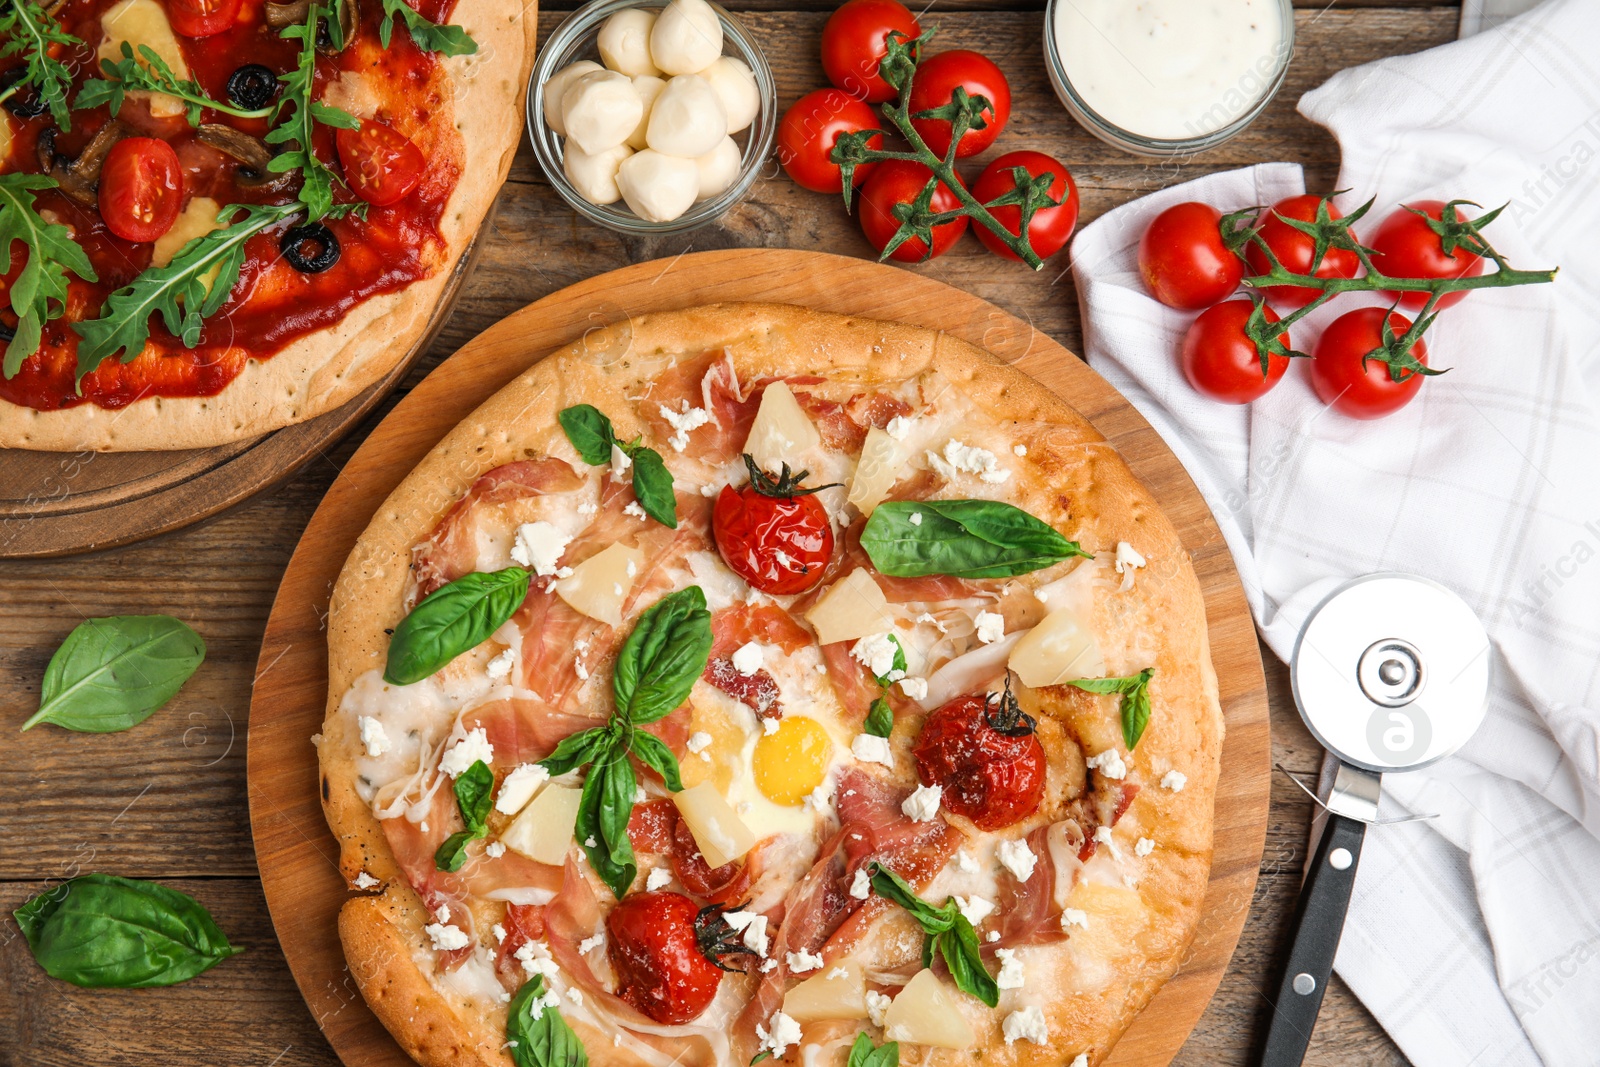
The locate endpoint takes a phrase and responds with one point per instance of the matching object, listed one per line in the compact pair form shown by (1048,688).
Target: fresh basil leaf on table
(1135,691)
(474,789)
(113,673)
(962,539)
(537,1035)
(452,619)
(946,932)
(100,930)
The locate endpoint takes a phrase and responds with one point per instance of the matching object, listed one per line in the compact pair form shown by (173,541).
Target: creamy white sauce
(1170,69)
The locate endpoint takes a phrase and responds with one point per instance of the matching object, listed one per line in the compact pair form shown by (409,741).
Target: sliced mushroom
(281,15)
(253,155)
(79,178)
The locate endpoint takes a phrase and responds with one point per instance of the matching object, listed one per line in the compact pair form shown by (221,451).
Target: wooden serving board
(296,852)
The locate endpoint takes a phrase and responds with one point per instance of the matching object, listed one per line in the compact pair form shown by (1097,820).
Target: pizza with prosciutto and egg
(747,682)
(222,217)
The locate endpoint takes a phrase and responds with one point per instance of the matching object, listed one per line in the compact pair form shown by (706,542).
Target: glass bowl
(575,39)
(1270,81)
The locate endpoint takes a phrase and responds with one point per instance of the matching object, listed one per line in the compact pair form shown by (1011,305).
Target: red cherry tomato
(855,41)
(983,751)
(381,164)
(1341,380)
(664,948)
(1221,362)
(202,18)
(934,84)
(1183,260)
(1294,250)
(1405,247)
(808,130)
(898,181)
(141,188)
(1050,227)
(772,532)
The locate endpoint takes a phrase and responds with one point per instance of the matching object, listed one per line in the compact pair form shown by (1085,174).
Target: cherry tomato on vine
(807,133)
(1221,362)
(936,81)
(898,181)
(1357,390)
(854,42)
(773,532)
(1050,228)
(202,18)
(1406,247)
(141,188)
(982,749)
(665,951)
(1183,260)
(380,163)
(1294,250)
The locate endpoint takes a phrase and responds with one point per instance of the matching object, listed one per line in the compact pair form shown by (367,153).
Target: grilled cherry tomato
(666,953)
(855,40)
(202,18)
(1183,260)
(1406,247)
(772,532)
(981,748)
(1050,227)
(1362,391)
(808,130)
(1221,362)
(936,81)
(1294,250)
(141,188)
(380,163)
(898,181)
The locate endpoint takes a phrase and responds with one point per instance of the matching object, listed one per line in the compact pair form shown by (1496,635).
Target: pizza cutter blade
(1390,673)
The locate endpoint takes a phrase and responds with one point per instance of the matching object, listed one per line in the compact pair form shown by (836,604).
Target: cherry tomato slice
(808,130)
(381,165)
(854,42)
(141,188)
(1051,227)
(202,18)
(1405,247)
(1221,362)
(898,181)
(1183,260)
(935,83)
(1357,390)
(1294,250)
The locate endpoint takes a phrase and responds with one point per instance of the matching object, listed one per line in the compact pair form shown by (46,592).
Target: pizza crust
(323,370)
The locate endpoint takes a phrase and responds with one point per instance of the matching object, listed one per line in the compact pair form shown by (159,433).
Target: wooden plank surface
(168,799)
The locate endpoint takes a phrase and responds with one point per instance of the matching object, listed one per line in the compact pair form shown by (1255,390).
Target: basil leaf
(452,855)
(113,673)
(474,789)
(662,657)
(862,1054)
(880,718)
(589,431)
(98,930)
(537,1035)
(962,539)
(604,808)
(654,753)
(1135,691)
(947,933)
(652,485)
(452,619)
(575,750)
(892,887)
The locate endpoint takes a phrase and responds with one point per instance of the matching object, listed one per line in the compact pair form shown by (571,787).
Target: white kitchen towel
(1474,937)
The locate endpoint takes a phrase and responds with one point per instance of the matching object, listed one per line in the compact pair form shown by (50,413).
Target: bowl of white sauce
(1167,77)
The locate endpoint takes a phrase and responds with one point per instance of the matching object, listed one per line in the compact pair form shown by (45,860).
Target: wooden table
(167,800)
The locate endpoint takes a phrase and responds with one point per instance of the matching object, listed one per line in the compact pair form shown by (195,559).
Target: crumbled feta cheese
(820,799)
(923,804)
(769,726)
(620,462)
(1080,1060)
(768,966)
(779,1033)
(1108,763)
(365,881)
(590,842)
(500,666)
(1174,780)
(1102,834)
(1019,450)
(446,938)
(931,621)
(495,849)
(589,944)
(914,688)
(992,936)
(899,427)
(1026,1025)
(871,749)
(424,825)
(634,508)
(535,959)
(1128,561)
(837,973)
(464,753)
(876,653)
(861,886)
(519,787)
(1074,917)
(965,862)
(753,925)
(803,961)
(581,670)
(539,545)
(684,422)
(991,626)
(374,736)
(1010,975)
(916,518)
(877,1006)
(975,908)
(1018,858)
(698,741)
(443,914)
(658,878)
(499,933)
(639,795)
(1042,595)
(1143,847)
(971,460)
(748,658)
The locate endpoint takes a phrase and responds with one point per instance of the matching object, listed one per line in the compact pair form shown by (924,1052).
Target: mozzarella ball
(600,110)
(557,87)
(687,118)
(686,38)
(648,87)
(657,187)
(624,41)
(736,87)
(595,177)
(719,168)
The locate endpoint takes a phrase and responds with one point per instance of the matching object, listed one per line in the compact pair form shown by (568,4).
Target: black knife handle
(1318,922)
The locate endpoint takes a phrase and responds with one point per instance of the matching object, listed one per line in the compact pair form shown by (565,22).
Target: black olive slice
(7,333)
(24,105)
(252,86)
(324,248)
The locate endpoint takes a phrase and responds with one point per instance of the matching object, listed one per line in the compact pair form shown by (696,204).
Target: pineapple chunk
(598,586)
(781,429)
(1059,649)
(877,470)
(927,1013)
(852,608)
(843,996)
(721,834)
(143,22)
(543,832)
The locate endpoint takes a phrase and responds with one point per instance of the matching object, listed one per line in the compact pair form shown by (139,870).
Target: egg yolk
(791,762)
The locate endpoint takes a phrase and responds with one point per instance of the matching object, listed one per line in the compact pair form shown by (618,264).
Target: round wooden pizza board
(296,852)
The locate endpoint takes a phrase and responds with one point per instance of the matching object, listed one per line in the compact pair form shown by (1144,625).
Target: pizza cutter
(1390,673)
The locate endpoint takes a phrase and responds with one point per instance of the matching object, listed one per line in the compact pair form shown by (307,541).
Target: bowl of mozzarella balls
(651,118)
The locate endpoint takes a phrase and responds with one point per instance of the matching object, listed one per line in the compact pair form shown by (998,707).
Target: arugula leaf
(150,73)
(112,674)
(39,293)
(591,433)
(880,719)
(31,31)
(660,660)
(452,619)
(316,188)
(863,1054)
(474,789)
(537,1035)
(426,35)
(947,932)
(1135,690)
(961,538)
(604,808)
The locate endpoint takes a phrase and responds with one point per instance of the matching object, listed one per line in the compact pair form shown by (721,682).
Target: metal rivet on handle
(1304,984)
(1340,859)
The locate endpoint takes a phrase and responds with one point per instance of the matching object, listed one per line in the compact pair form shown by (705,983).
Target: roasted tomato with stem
(901,181)
(141,188)
(982,750)
(934,86)
(380,163)
(667,954)
(855,41)
(1051,227)
(1354,385)
(808,130)
(1183,260)
(1221,361)
(773,532)
(1407,246)
(1295,250)
(202,18)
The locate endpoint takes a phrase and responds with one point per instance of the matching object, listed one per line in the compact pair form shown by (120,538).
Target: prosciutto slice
(733,627)
(844,427)
(1027,910)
